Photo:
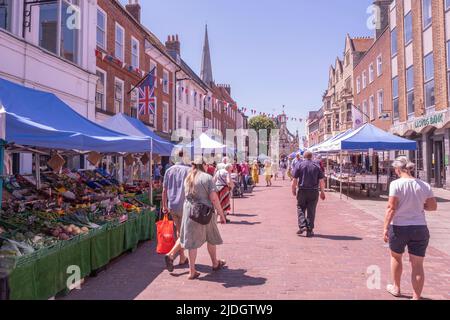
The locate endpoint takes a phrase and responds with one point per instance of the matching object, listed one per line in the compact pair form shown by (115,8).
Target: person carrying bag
(165,235)
(199,225)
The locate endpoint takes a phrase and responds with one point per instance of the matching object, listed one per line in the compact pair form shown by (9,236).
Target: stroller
(237,191)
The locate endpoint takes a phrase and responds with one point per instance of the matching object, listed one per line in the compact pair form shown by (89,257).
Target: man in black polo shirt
(308,181)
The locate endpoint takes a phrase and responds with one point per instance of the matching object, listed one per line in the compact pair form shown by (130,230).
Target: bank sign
(434,120)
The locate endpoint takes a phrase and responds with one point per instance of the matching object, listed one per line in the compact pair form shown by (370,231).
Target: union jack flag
(147,100)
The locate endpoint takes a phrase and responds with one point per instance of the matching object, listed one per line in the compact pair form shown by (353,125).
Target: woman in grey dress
(199,187)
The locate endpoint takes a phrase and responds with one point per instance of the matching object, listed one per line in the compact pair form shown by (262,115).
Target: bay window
(59,28)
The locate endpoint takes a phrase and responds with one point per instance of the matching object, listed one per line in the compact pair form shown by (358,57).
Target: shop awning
(204,142)
(368,137)
(134,127)
(41,119)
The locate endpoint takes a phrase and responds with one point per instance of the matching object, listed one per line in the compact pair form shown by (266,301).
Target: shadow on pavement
(442,200)
(337,238)
(231,278)
(125,278)
(243,215)
(243,223)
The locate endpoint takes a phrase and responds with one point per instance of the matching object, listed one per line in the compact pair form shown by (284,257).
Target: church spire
(206,72)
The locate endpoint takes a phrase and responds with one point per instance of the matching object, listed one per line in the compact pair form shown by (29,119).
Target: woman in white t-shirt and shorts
(405,225)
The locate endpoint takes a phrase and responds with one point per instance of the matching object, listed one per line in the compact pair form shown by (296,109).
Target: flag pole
(151,172)
(142,80)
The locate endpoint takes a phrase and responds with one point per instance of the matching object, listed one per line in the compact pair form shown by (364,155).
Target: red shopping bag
(165,235)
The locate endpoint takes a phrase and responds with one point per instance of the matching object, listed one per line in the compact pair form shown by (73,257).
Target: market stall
(368,142)
(204,146)
(58,222)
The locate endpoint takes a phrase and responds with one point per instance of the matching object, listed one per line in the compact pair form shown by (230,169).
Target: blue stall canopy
(134,127)
(40,119)
(368,137)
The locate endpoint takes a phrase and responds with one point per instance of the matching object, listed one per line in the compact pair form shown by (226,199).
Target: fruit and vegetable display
(68,205)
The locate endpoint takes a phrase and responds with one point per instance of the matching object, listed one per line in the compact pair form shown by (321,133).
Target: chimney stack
(134,8)
(173,46)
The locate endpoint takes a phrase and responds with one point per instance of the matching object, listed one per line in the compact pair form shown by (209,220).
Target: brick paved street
(267,260)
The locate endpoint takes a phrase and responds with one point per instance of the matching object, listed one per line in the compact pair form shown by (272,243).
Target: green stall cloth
(116,240)
(22,283)
(131,237)
(74,257)
(100,249)
(44,274)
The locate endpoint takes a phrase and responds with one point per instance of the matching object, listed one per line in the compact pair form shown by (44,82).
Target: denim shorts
(416,238)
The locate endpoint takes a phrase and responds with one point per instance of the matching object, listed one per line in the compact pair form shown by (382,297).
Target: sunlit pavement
(267,260)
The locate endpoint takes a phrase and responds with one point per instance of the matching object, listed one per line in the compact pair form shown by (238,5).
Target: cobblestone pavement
(267,260)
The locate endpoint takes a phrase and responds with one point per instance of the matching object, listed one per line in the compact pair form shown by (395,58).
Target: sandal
(220,266)
(169,264)
(185,263)
(391,289)
(195,276)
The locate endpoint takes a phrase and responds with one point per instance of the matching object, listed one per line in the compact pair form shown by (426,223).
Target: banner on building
(358,117)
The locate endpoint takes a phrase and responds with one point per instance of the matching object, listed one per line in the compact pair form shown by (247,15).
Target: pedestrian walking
(224,162)
(268,172)
(290,166)
(283,168)
(255,172)
(275,170)
(245,174)
(200,188)
(224,186)
(405,225)
(173,197)
(308,180)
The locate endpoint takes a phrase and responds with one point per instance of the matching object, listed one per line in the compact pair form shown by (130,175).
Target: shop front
(432,132)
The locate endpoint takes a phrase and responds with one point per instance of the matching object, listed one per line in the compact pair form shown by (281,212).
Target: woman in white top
(405,225)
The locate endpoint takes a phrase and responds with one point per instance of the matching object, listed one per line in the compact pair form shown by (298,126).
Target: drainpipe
(176,99)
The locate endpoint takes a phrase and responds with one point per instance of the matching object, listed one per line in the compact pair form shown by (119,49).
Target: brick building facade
(126,52)
(375,98)
(420,36)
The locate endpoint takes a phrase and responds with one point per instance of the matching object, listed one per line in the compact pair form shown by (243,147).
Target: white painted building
(53,52)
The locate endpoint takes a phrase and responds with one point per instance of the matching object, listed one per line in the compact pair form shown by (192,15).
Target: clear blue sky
(272,53)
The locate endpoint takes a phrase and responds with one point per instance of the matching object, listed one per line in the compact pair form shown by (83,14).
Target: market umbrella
(203,144)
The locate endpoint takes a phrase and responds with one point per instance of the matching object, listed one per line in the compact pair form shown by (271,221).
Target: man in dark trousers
(308,181)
